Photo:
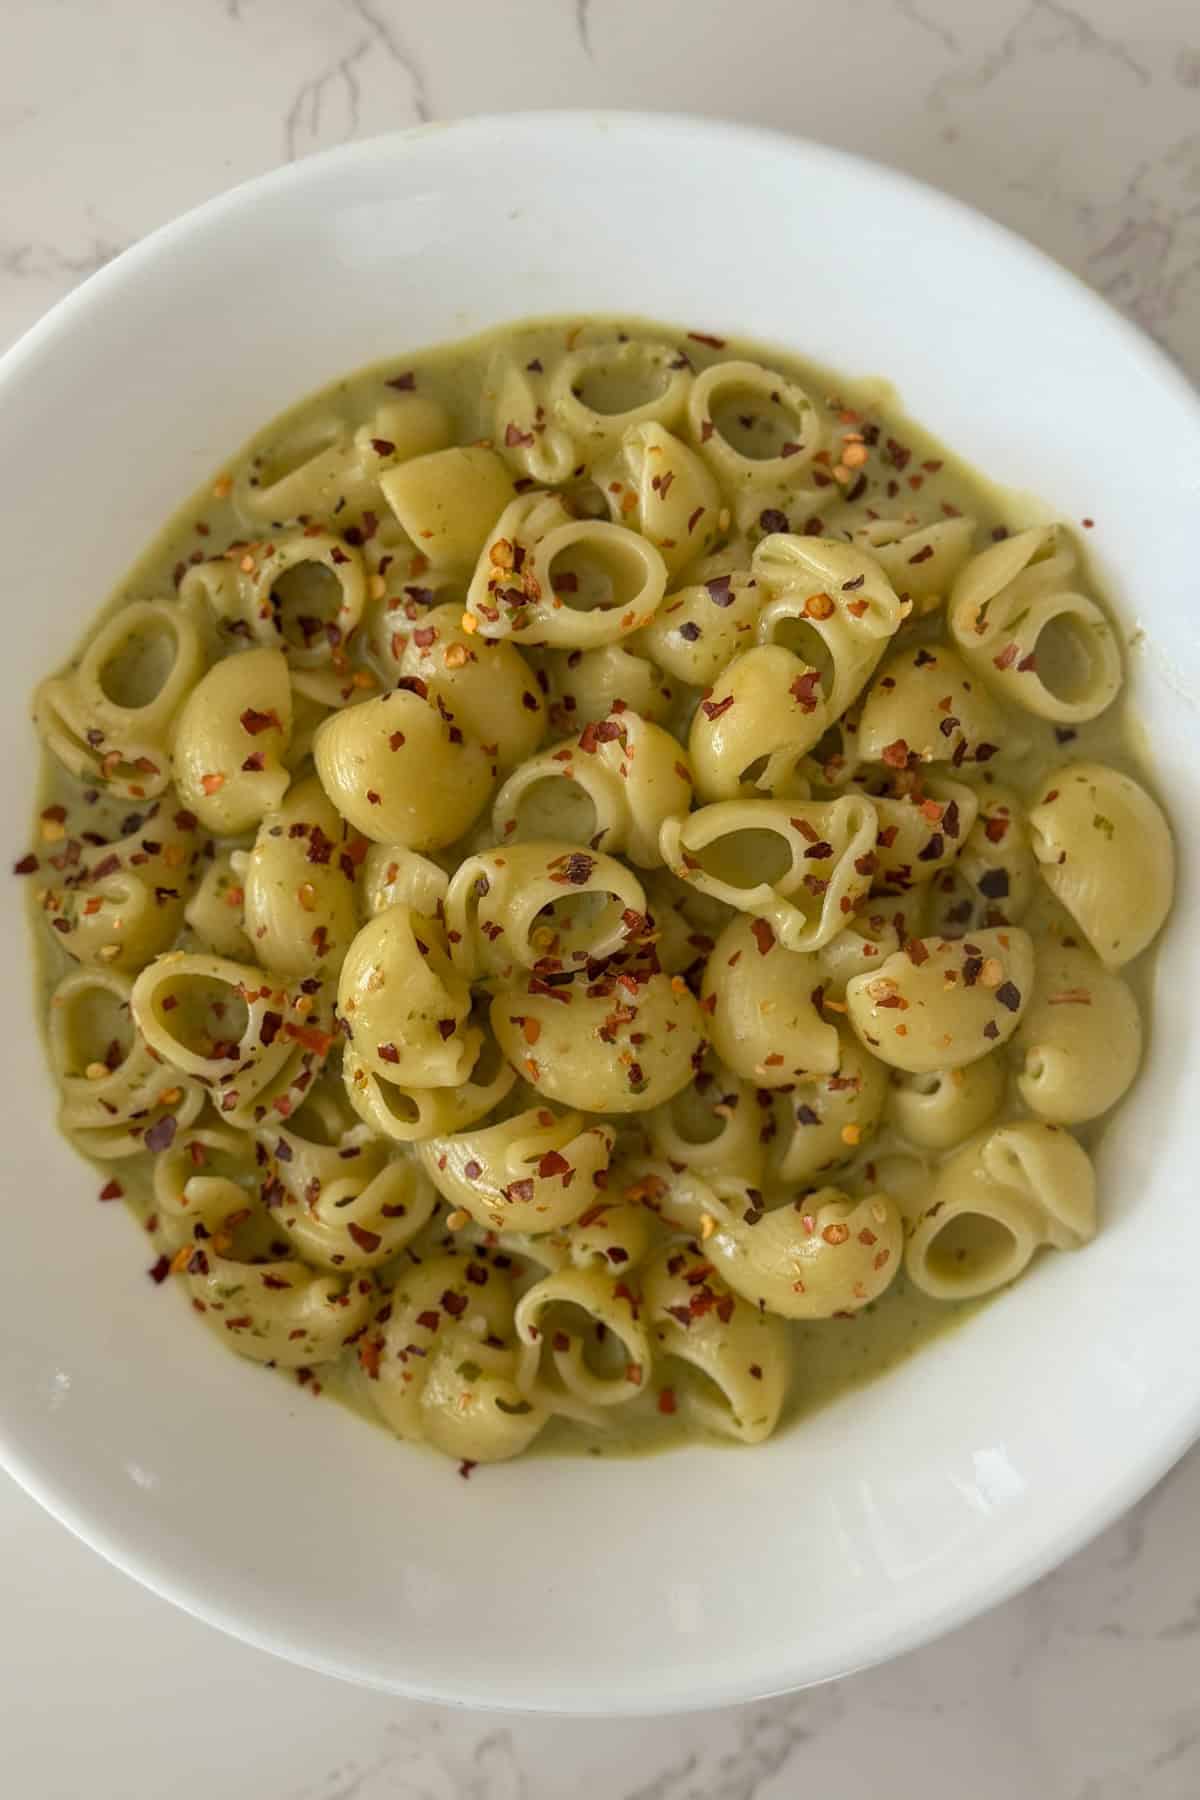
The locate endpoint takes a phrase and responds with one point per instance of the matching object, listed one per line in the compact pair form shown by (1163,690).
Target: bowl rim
(21,1462)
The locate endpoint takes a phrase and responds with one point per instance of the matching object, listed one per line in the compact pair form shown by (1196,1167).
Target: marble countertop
(1080,127)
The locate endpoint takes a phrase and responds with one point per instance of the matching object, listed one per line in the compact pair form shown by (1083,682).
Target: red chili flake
(806,691)
(1007,656)
(1087,523)
(254,721)
(771,519)
(403,384)
(514,437)
(161,1135)
(388,1053)
(991,1029)
(576,870)
(666,1401)
(896,755)
(820,851)
(916,952)
(764,936)
(26,866)
(269,1029)
(112,1190)
(158,1274)
(455,1304)
(430,1320)
(704,337)
(396,741)
(712,709)
(1009,995)
(922,555)
(695,518)
(520,1190)
(553,1163)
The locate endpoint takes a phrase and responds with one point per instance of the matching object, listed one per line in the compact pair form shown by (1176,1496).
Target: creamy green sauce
(831,1357)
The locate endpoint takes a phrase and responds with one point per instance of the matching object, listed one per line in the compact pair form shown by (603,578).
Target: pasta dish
(593,887)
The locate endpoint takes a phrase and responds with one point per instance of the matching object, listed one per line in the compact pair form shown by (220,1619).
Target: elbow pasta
(298,895)
(596,872)
(585,686)
(612,788)
(111,719)
(1029,637)
(662,489)
(231,741)
(995,1201)
(801,867)
(569,583)
(1104,850)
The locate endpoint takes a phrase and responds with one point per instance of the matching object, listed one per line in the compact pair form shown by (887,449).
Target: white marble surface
(1080,126)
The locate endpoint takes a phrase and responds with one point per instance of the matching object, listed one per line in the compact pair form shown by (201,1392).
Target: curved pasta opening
(205,1017)
(563,1322)
(585,499)
(756,422)
(692,1114)
(833,755)
(924,1086)
(806,642)
(970,1249)
(139,664)
(599,573)
(612,388)
(1070,663)
(401,1105)
(555,807)
(701,1395)
(574,923)
(95,1030)
(489,1063)
(306,600)
(746,859)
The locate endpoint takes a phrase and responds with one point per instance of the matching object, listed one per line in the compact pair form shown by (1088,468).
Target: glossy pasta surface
(592,889)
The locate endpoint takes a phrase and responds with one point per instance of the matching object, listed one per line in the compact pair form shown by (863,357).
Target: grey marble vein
(916,15)
(583,26)
(327,108)
(1043,26)
(30,261)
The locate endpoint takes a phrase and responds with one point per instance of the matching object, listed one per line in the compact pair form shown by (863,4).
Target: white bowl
(698,1577)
